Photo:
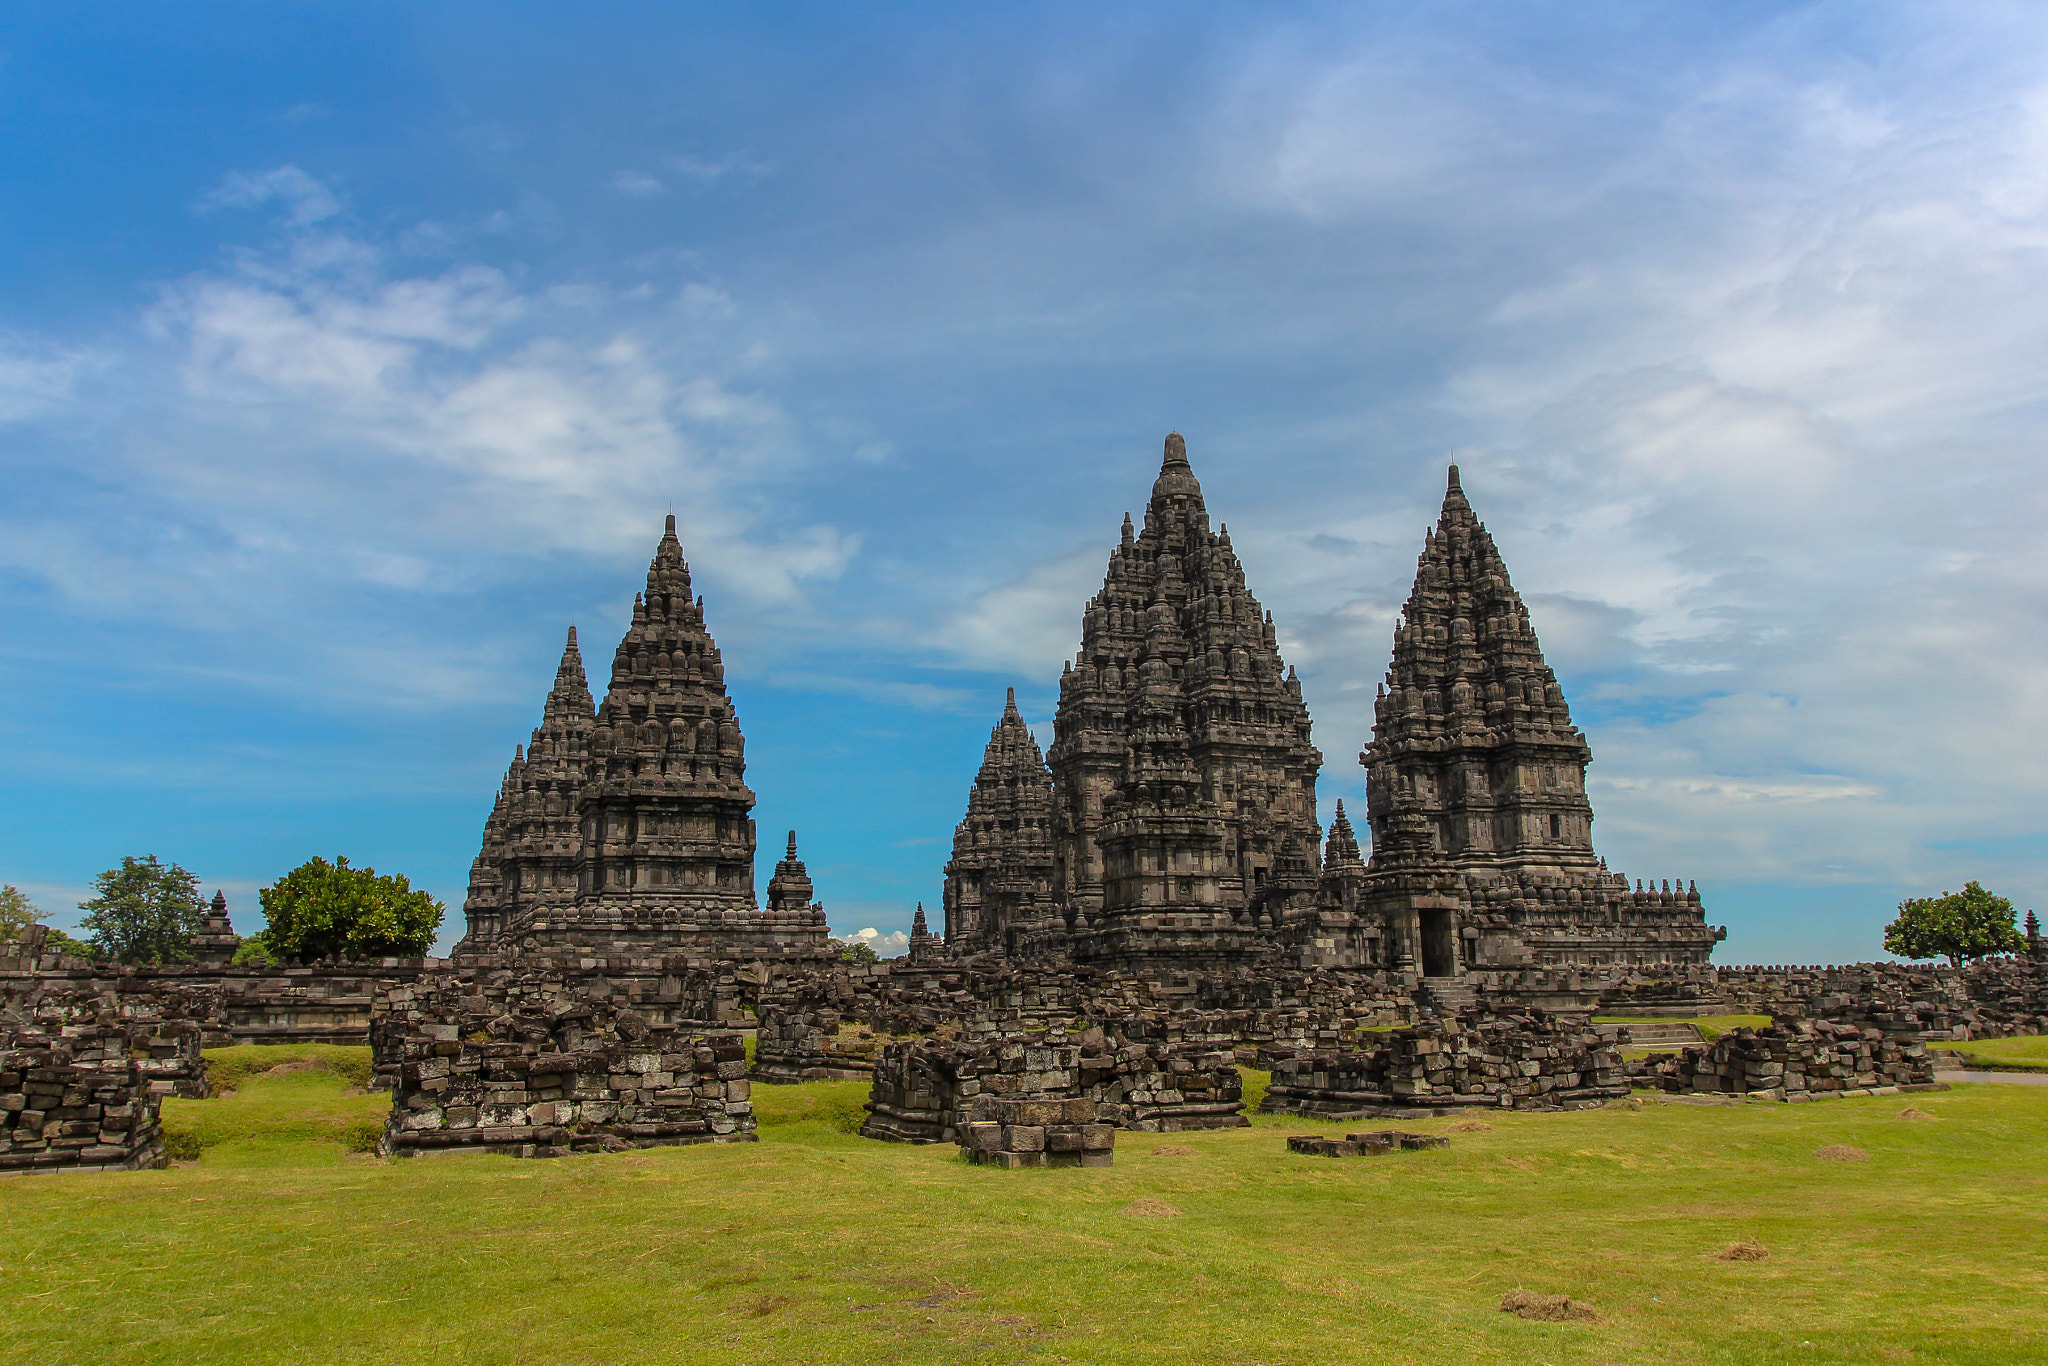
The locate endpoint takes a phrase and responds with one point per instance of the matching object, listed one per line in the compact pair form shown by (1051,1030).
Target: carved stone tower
(628,829)
(667,824)
(790,888)
(1475,767)
(1180,740)
(533,839)
(1472,730)
(998,892)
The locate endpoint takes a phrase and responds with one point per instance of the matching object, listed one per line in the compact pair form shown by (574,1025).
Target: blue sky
(348,353)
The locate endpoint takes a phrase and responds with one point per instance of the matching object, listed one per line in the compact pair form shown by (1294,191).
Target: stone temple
(1180,788)
(627,828)
(1172,826)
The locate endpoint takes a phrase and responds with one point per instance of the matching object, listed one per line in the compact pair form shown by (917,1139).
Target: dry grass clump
(1149,1208)
(1915,1112)
(1471,1126)
(1841,1152)
(1172,1150)
(1547,1308)
(1743,1252)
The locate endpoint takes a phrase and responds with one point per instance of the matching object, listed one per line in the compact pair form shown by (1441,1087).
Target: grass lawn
(2029,1052)
(814,1245)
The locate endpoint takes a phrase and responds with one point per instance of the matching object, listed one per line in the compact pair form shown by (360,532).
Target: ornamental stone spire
(627,827)
(532,841)
(998,891)
(1177,702)
(1476,790)
(790,888)
(667,829)
(1472,732)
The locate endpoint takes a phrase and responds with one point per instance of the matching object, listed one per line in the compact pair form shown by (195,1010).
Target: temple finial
(1176,450)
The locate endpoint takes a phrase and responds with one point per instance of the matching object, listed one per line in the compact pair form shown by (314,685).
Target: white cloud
(636,184)
(304,199)
(488,423)
(743,164)
(890,945)
(38,377)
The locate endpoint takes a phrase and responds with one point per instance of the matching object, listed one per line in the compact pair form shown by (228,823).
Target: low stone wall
(73,1098)
(1517,1063)
(532,1065)
(924,1090)
(1800,1060)
(1036,1133)
(793,1044)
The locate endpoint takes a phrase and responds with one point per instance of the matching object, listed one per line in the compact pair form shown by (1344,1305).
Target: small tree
(146,912)
(17,912)
(857,951)
(1959,926)
(324,910)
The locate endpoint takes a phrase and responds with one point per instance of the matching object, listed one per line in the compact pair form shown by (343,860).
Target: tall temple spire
(667,756)
(998,890)
(1178,698)
(1473,733)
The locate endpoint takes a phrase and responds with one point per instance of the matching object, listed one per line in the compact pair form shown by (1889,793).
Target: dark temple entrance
(1439,945)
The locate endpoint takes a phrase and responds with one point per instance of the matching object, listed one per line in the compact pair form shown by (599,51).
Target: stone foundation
(534,1067)
(1036,1133)
(1799,1060)
(72,1098)
(1516,1063)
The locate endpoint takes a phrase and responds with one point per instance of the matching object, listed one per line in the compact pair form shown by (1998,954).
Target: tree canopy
(17,912)
(1959,926)
(329,910)
(146,912)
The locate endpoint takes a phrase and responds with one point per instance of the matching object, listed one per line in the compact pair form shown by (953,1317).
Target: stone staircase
(1669,1034)
(1448,995)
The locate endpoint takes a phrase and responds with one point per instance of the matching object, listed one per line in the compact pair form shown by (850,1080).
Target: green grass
(2029,1052)
(814,1245)
(282,1106)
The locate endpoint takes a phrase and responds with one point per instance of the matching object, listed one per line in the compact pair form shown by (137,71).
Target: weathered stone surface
(1518,1063)
(628,828)
(81,1088)
(1799,1061)
(534,1065)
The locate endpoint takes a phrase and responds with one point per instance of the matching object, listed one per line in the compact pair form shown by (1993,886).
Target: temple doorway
(1439,945)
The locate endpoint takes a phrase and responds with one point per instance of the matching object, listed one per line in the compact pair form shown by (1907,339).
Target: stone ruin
(1172,824)
(1800,1061)
(1036,1133)
(627,829)
(82,1081)
(1512,1063)
(527,1064)
(925,1091)
(1377,1144)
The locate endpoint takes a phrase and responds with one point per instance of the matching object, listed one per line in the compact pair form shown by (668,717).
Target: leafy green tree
(1959,926)
(253,952)
(146,912)
(327,910)
(56,941)
(17,912)
(857,951)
